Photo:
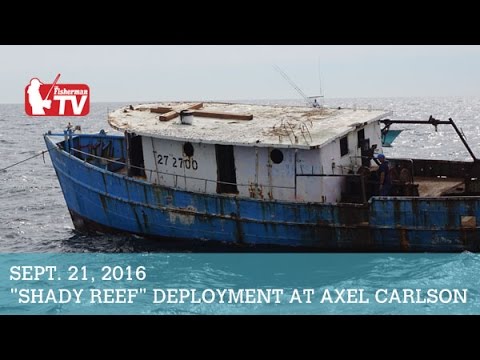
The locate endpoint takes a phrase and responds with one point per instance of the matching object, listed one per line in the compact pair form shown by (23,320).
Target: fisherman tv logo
(56,99)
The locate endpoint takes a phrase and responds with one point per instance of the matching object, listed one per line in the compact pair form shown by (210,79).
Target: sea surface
(34,217)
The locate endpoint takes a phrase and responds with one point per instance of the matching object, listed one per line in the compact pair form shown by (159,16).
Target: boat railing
(175,176)
(357,178)
(252,187)
(361,197)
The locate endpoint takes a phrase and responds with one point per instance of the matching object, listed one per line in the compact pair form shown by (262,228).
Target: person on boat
(384,176)
(35,98)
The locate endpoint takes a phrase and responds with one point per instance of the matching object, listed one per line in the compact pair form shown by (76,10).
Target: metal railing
(253,187)
(175,176)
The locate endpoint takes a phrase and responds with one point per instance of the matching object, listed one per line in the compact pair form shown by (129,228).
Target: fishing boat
(255,176)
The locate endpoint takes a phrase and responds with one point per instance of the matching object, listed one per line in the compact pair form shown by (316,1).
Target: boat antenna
(302,94)
(320,77)
(320,81)
(321,96)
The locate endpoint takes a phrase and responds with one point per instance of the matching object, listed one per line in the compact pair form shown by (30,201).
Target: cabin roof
(273,126)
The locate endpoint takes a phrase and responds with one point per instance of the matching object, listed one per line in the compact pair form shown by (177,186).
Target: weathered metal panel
(308,188)
(308,162)
(257,175)
(281,177)
(260,178)
(149,156)
(373,132)
(174,169)
(334,163)
(330,160)
(430,223)
(247,164)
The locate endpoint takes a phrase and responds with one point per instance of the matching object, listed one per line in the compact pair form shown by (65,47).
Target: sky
(243,72)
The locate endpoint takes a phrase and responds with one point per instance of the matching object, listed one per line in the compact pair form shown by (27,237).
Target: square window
(360,138)
(344,146)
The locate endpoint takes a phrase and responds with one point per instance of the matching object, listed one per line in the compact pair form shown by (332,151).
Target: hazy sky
(184,72)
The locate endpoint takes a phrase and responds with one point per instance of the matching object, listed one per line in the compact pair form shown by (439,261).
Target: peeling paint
(404,244)
(184,218)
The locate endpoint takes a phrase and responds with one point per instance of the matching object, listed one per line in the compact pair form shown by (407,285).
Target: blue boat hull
(99,199)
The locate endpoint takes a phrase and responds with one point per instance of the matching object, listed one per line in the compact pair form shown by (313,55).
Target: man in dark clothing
(384,176)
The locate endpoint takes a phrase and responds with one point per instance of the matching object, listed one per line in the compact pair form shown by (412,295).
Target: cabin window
(226,174)
(360,138)
(276,156)
(188,149)
(344,146)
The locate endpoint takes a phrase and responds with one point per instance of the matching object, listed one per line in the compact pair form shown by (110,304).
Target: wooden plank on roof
(161,110)
(195,106)
(220,115)
(168,116)
(169,113)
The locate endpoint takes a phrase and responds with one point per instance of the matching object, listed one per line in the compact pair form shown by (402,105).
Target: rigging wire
(22,161)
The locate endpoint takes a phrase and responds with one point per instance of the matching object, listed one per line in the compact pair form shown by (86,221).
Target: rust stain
(145,193)
(238,223)
(260,192)
(104,181)
(251,190)
(452,214)
(397,213)
(220,201)
(346,215)
(404,243)
(103,200)
(255,191)
(136,217)
(470,239)
(145,220)
(414,203)
(158,193)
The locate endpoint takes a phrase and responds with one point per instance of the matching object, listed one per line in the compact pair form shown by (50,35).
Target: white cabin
(255,151)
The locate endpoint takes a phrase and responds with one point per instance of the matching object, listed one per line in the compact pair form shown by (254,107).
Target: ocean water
(34,217)
(203,278)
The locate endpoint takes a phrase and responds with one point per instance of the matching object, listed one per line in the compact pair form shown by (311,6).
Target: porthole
(276,156)
(188,149)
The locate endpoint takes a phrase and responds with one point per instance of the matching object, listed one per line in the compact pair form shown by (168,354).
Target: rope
(22,161)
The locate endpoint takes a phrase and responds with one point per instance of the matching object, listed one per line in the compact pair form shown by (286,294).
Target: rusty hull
(100,200)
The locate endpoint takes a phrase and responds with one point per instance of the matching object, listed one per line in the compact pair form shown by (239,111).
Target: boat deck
(435,187)
(427,186)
